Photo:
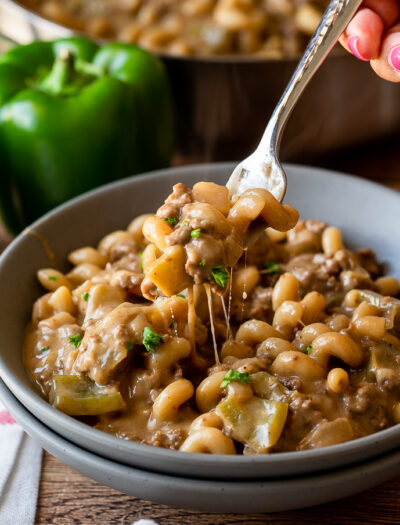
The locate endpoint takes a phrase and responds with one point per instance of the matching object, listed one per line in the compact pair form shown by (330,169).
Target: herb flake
(195,234)
(172,221)
(151,339)
(235,375)
(181,295)
(85,296)
(44,349)
(202,262)
(220,275)
(130,346)
(75,340)
(271,268)
(308,349)
(53,277)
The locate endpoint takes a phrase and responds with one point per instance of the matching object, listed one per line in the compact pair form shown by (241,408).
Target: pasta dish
(183,332)
(269,28)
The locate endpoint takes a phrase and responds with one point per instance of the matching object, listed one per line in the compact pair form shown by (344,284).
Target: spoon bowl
(262,168)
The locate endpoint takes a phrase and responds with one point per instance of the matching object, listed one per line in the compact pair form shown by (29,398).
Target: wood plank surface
(66,497)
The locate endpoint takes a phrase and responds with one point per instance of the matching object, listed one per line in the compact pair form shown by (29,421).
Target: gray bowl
(209,495)
(366,212)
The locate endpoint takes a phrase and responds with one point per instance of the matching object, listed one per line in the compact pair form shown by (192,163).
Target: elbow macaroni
(208,344)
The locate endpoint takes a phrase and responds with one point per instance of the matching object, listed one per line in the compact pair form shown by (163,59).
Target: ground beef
(292,383)
(122,249)
(367,259)
(168,439)
(315,272)
(207,249)
(180,196)
(180,235)
(302,418)
(329,275)
(360,398)
(128,281)
(257,306)
(131,262)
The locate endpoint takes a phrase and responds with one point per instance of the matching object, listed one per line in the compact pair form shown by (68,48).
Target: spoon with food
(262,168)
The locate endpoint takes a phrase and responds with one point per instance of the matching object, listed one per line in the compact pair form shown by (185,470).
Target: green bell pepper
(257,422)
(80,396)
(382,355)
(73,116)
(267,386)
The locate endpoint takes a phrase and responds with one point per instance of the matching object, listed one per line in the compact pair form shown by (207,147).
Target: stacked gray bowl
(367,215)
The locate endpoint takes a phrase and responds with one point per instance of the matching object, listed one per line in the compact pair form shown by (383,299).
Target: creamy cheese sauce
(308,356)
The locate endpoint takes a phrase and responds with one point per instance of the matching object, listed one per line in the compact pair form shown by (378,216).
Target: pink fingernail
(394,58)
(352,42)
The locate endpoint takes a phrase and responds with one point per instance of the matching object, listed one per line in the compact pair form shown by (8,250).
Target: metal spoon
(262,168)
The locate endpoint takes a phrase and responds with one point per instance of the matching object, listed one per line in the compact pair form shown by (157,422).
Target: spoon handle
(333,23)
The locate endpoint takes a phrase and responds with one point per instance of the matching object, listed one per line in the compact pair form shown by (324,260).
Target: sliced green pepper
(381,356)
(80,396)
(389,305)
(376,299)
(328,433)
(257,422)
(74,116)
(269,387)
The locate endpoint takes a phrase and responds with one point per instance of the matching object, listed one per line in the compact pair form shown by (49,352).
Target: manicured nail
(394,58)
(352,42)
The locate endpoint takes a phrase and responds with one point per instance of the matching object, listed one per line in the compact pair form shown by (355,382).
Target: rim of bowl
(214,59)
(29,396)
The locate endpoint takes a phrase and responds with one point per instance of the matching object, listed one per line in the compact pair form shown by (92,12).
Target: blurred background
(228,62)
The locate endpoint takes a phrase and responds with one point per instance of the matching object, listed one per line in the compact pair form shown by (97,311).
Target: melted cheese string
(210,311)
(174,322)
(230,297)
(228,328)
(244,294)
(191,320)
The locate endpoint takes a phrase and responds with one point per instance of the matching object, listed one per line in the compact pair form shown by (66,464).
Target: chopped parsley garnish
(195,233)
(130,346)
(308,349)
(45,349)
(271,268)
(151,339)
(202,262)
(220,275)
(185,222)
(172,221)
(181,295)
(141,260)
(75,340)
(85,296)
(234,375)
(53,277)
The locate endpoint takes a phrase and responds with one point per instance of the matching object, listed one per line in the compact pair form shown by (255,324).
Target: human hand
(374,36)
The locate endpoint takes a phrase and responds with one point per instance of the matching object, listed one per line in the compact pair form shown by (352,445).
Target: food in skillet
(170,333)
(270,28)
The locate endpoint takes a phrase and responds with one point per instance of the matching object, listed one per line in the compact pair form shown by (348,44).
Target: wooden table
(67,497)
